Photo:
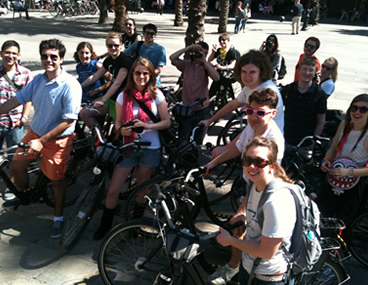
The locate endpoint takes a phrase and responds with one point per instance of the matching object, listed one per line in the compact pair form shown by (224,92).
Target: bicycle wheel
(238,192)
(54,9)
(82,213)
(331,273)
(359,239)
(232,128)
(132,251)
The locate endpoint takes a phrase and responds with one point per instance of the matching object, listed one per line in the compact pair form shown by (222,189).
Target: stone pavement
(27,254)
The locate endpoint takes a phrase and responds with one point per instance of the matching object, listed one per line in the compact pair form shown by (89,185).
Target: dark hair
(150,27)
(53,44)
(318,43)
(130,19)
(85,45)
(204,45)
(266,97)
(259,59)
(224,36)
(274,39)
(279,172)
(10,43)
(308,61)
(360,98)
(151,85)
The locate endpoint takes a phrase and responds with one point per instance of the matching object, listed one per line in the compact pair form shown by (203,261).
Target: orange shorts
(55,155)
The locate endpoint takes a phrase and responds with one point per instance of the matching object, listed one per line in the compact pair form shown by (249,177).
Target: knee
(17,166)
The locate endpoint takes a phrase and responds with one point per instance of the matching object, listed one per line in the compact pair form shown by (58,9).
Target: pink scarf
(127,112)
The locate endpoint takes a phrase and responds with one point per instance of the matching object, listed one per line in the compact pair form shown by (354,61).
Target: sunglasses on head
(112,45)
(150,33)
(310,46)
(362,109)
(128,24)
(139,73)
(257,162)
(52,56)
(327,67)
(259,113)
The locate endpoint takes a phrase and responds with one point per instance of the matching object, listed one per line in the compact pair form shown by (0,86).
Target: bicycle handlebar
(19,145)
(314,138)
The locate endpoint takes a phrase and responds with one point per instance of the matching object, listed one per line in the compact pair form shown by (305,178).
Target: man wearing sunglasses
(56,97)
(261,111)
(305,104)
(150,50)
(311,45)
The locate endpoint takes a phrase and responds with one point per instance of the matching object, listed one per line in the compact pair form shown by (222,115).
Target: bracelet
(103,100)
(24,118)
(326,158)
(351,171)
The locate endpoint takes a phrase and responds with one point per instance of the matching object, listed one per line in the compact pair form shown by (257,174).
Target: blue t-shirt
(85,71)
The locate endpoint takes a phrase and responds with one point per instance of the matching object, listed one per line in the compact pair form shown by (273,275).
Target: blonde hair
(114,35)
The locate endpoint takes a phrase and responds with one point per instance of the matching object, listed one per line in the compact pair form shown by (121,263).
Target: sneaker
(223,274)
(57,229)
(8,195)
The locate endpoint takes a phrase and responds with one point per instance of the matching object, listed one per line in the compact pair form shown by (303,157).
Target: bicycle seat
(306,154)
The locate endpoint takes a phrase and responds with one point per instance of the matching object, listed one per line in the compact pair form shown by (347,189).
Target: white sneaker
(223,274)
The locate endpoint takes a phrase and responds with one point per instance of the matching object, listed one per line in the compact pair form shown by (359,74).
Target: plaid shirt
(21,78)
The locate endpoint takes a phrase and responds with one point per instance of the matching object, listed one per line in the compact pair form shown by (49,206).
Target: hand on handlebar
(205,123)
(35,146)
(239,231)
(208,168)
(218,151)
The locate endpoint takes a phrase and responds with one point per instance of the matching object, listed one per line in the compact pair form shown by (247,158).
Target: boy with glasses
(311,45)
(56,97)
(150,50)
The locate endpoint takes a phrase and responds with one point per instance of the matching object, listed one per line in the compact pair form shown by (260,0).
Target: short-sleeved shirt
(21,78)
(301,110)
(230,56)
(243,98)
(148,135)
(114,65)
(156,54)
(86,70)
(53,101)
(195,85)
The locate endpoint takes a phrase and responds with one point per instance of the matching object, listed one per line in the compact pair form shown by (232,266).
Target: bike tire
(126,247)
(331,273)
(82,213)
(359,239)
(230,131)
(238,192)
(53,10)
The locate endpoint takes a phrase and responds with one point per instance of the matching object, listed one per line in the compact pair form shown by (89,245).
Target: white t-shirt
(279,222)
(147,135)
(243,98)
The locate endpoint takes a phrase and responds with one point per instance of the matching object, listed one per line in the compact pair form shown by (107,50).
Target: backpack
(135,55)
(305,248)
(282,71)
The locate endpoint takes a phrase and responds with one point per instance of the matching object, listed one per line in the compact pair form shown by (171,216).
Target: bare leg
(116,184)
(18,172)
(59,188)
(88,116)
(144,173)
(236,255)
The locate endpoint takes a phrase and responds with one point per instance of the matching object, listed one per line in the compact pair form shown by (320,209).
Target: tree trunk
(104,18)
(178,22)
(224,14)
(196,17)
(120,16)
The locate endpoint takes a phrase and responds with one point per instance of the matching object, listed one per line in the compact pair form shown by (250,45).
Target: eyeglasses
(53,57)
(112,45)
(139,73)
(309,46)
(362,109)
(150,33)
(10,53)
(259,113)
(128,24)
(257,162)
(327,67)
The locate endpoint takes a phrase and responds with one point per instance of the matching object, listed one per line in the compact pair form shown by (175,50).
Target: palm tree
(104,18)
(120,15)
(178,22)
(224,13)
(196,17)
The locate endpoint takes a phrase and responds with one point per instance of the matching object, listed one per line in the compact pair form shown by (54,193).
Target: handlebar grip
(23,145)
(145,143)
(321,138)
(188,189)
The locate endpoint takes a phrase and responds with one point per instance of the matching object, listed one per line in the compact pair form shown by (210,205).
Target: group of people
(126,86)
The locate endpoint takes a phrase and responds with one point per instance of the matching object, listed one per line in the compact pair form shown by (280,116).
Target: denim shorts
(144,157)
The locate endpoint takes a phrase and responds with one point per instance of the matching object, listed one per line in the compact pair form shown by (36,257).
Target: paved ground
(27,254)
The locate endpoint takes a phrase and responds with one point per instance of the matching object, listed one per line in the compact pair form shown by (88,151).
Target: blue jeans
(11,136)
(186,125)
(243,23)
(237,24)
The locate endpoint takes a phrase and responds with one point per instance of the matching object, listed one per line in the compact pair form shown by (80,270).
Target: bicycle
(359,238)
(91,196)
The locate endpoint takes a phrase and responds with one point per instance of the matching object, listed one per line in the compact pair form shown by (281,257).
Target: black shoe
(11,203)
(101,232)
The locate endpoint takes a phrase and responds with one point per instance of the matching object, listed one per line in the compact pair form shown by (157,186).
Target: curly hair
(84,45)
(53,44)
(266,97)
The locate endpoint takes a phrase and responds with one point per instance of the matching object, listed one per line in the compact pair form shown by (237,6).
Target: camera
(131,123)
(269,44)
(195,54)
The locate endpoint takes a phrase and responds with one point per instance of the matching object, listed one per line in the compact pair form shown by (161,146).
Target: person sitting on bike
(261,166)
(254,70)
(350,203)
(226,57)
(87,66)
(141,86)
(261,111)
(328,76)
(118,65)
(271,47)
(196,71)
(305,104)
(56,97)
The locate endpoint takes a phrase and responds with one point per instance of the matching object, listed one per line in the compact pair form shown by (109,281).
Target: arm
(326,164)
(138,38)
(212,72)
(320,121)
(221,149)
(23,120)
(161,125)
(9,105)
(175,56)
(158,70)
(213,52)
(93,78)
(227,155)
(108,81)
(228,66)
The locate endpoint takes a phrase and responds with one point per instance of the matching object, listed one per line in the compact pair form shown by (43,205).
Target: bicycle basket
(188,154)
(108,153)
(182,246)
(181,110)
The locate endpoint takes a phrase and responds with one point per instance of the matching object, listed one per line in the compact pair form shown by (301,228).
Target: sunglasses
(257,162)
(112,45)
(128,24)
(53,57)
(139,73)
(259,113)
(150,33)
(362,109)
(327,67)
(310,46)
